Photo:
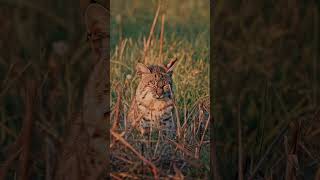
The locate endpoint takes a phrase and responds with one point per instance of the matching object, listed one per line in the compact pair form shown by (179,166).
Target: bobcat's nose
(159,92)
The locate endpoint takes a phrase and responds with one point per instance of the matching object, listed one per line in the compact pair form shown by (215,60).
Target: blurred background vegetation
(41,43)
(264,51)
(267,65)
(183,19)
(186,36)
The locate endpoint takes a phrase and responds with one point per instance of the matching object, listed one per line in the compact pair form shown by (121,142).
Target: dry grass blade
(122,47)
(161,37)
(151,32)
(202,138)
(154,169)
(126,175)
(304,148)
(117,109)
(205,130)
(26,131)
(123,159)
(181,147)
(274,142)
(176,111)
(178,120)
(115,177)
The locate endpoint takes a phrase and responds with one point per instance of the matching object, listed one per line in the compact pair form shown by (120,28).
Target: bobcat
(84,151)
(152,106)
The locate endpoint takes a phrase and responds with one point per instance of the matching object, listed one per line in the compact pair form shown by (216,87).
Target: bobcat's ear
(142,69)
(96,14)
(97,23)
(170,66)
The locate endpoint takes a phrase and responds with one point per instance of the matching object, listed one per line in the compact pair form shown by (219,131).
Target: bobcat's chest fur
(155,114)
(152,106)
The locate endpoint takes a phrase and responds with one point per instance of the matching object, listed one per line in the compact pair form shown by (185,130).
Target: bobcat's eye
(152,83)
(166,88)
(160,83)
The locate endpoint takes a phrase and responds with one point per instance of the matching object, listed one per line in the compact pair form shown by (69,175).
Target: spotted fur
(152,106)
(84,149)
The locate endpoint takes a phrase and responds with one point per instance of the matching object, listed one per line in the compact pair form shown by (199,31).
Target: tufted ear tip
(170,66)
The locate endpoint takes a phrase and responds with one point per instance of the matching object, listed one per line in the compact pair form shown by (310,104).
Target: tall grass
(266,56)
(184,39)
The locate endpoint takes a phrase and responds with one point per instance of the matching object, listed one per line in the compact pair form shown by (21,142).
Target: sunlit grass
(184,39)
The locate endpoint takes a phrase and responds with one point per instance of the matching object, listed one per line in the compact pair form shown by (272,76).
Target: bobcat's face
(156,84)
(97,23)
